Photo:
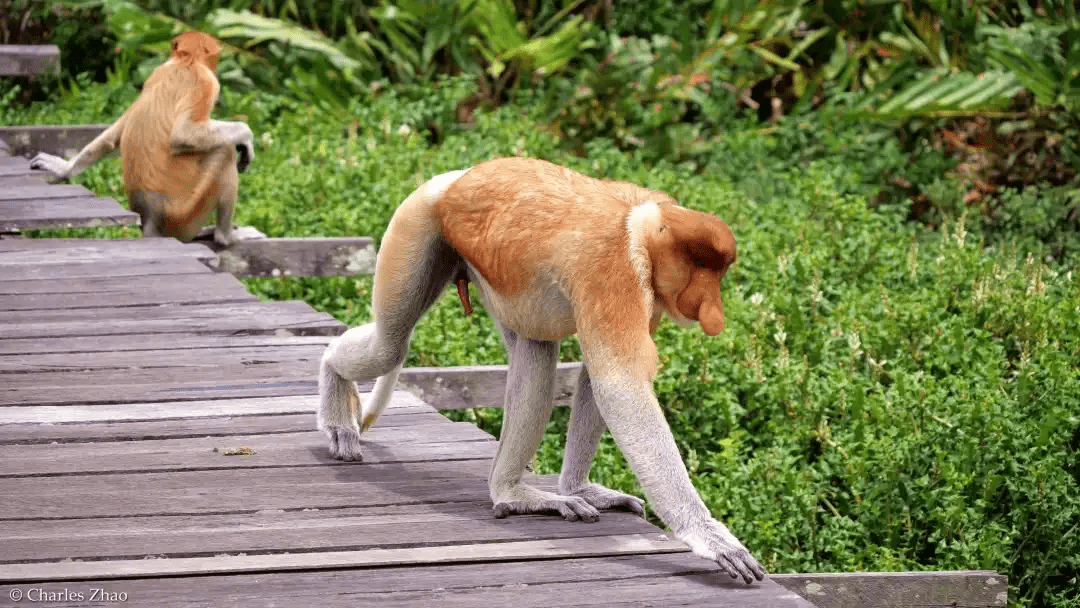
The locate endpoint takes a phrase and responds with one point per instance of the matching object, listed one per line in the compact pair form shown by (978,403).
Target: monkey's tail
(376,403)
(188,216)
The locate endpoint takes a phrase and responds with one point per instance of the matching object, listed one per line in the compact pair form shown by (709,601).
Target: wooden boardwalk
(158,448)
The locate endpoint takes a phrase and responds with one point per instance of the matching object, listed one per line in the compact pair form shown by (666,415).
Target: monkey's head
(193,46)
(690,252)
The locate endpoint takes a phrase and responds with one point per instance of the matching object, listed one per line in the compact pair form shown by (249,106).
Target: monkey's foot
(523,500)
(344,444)
(712,540)
(605,498)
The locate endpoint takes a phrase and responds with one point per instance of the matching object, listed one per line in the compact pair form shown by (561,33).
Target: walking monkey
(179,164)
(553,253)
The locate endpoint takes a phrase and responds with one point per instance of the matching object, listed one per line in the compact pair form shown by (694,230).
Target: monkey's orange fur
(183,89)
(178,163)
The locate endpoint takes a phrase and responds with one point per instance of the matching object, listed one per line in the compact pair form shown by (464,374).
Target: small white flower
(404,130)
(757,299)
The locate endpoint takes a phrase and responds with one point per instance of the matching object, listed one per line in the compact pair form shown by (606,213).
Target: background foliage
(897,387)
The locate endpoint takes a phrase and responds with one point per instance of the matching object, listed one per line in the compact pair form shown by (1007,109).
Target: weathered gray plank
(146,387)
(514,550)
(64,251)
(279,531)
(382,445)
(293,317)
(151,290)
(60,140)
(450,388)
(304,356)
(133,409)
(95,269)
(87,212)
(30,433)
(42,191)
(141,421)
(29,59)
(299,257)
(128,342)
(964,589)
(676,579)
(240,490)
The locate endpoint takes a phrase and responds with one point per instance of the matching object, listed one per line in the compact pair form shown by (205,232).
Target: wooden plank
(280,531)
(29,59)
(42,191)
(100,269)
(135,411)
(291,317)
(309,448)
(59,140)
(299,257)
(64,251)
(129,342)
(223,426)
(146,421)
(662,579)
(304,356)
(86,212)
(451,388)
(239,490)
(965,589)
(153,290)
(375,557)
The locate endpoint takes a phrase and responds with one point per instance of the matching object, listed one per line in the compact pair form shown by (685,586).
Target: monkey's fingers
(571,508)
(245,153)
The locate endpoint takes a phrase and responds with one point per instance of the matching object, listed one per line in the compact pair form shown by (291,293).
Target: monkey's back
(150,167)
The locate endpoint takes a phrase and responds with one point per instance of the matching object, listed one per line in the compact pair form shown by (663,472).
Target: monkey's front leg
(625,398)
(530,390)
(586,427)
(92,152)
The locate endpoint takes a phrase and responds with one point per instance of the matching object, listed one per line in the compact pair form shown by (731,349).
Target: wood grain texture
(101,269)
(515,550)
(84,212)
(281,317)
(145,341)
(37,423)
(59,140)
(29,59)
(154,290)
(966,589)
(665,579)
(297,257)
(451,388)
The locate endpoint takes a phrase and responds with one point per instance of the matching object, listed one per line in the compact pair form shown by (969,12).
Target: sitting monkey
(553,253)
(179,165)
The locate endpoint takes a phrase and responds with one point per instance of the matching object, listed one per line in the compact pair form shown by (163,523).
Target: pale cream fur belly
(541,312)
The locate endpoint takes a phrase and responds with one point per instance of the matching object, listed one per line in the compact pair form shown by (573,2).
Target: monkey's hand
(240,136)
(53,164)
(712,540)
(605,498)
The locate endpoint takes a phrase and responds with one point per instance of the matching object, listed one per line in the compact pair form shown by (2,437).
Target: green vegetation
(898,386)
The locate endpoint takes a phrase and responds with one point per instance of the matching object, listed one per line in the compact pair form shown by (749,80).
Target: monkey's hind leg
(586,427)
(530,390)
(413,266)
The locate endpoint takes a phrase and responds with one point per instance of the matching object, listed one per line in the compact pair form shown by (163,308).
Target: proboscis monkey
(179,165)
(552,252)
